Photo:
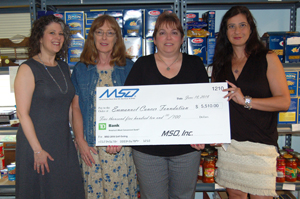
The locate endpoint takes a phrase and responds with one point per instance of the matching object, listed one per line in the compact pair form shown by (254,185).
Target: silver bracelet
(248,100)
(37,152)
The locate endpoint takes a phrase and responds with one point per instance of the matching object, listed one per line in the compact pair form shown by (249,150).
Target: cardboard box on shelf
(133,23)
(292,78)
(197,46)
(275,42)
(209,18)
(290,116)
(75,20)
(151,16)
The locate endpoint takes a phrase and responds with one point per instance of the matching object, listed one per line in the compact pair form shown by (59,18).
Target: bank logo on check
(119,93)
(102,126)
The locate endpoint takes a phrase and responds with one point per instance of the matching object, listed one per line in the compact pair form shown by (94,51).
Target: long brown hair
(89,54)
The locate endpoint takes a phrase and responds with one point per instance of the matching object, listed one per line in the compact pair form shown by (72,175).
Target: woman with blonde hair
(108,172)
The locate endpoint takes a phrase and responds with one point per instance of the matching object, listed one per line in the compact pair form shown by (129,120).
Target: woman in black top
(258,90)
(167,171)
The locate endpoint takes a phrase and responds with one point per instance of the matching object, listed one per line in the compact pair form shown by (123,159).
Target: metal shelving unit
(180,7)
(251,4)
(85,5)
(211,187)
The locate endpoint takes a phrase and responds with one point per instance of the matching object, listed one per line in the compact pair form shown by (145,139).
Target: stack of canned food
(10,171)
(288,165)
(207,166)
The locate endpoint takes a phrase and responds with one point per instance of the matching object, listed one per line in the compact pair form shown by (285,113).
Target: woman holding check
(257,91)
(108,172)
(167,171)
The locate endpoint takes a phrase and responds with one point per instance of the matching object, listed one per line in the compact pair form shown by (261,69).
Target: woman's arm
(24,87)
(280,100)
(82,145)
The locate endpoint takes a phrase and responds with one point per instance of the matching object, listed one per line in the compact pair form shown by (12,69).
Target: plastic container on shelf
(291,170)
(280,169)
(11,172)
(208,170)
(4,174)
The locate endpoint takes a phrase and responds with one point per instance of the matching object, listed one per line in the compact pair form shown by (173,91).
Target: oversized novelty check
(162,114)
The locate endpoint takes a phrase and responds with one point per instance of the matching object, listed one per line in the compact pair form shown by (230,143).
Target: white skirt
(249,167)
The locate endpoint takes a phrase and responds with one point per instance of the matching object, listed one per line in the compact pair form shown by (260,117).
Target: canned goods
(4,173)
(1,149)
(280,170)
(11,172)
(208,170)
(291,170)
(2,162)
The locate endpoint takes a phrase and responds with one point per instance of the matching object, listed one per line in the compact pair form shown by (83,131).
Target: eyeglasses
(234,26)
(108,33)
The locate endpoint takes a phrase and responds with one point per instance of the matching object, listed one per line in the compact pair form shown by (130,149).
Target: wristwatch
(248,100)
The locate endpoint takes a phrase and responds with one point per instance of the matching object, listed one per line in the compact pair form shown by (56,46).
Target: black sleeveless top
(253,125)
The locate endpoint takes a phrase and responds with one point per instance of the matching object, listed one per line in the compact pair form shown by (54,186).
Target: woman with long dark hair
(257,91)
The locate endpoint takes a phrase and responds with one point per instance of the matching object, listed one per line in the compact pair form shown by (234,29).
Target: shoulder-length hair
(169,19)
(224,51)
(89,54)
(37,33)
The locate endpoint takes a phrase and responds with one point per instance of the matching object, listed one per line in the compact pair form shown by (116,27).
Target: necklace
(168,67)
(63,92)
(236,71)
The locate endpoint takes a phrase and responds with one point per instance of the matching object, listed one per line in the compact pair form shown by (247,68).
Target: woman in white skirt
(257,91)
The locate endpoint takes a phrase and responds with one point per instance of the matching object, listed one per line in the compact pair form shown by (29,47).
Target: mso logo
(121,93)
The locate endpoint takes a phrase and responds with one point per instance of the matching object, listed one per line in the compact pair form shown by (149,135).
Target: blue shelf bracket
(288,140)
(32,11)
(43,5)
(176,9)
(293,18)
(183,12)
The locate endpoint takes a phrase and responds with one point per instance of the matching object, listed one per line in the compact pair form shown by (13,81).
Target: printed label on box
(76,23)
(291,78)
(118,15)
(292,46)
(132,23)
(211,43)
(150,46)
(74,51)
(209,18)
(276,43)
(150,20)
(197,46)
(133,47)
(192,17)
(290,116)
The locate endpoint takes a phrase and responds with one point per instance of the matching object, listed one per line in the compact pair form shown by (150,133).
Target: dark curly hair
(224,51)
(37,32)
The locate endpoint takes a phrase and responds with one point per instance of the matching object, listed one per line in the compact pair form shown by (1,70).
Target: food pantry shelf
(211,187)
